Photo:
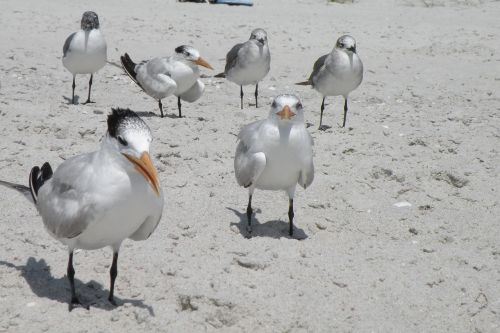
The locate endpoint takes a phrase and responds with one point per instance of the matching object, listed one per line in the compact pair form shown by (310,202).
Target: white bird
(85,51)
(175,75)
(249,62)
(275,153)
(101,198)
(337,73)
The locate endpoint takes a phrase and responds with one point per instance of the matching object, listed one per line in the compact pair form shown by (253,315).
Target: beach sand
(423,128)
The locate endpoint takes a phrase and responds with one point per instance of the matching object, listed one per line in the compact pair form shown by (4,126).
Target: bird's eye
(274,104)
(299,105)
(122,141)
(341,44)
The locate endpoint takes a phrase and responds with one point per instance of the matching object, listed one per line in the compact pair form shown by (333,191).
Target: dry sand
(423,128)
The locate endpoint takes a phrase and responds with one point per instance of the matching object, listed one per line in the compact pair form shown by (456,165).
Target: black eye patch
(122,141)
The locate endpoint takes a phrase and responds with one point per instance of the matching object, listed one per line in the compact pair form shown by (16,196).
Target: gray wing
(317,66)
(65,202)
(248,164)
(67,43)
(232,57)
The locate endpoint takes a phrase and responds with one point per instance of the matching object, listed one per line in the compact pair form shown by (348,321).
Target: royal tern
(275,153)
(248,63)
(85,51)
(175,75)
(337,73)
(101,198)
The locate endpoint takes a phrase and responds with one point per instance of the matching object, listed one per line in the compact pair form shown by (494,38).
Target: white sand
(422,128)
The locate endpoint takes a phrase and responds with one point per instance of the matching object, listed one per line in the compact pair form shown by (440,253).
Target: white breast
(87,52)
(252,65)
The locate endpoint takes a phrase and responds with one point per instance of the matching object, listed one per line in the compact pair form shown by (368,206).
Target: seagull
(101,198)
(275,153)
(337,73)
(248,63)
(85,51)
(175,75)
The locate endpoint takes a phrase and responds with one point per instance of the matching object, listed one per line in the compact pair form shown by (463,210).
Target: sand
(422,133)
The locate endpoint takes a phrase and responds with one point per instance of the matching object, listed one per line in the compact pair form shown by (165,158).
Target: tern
(248,63)
(275,153)
(337,73)
(101,198)
(175,75)
(85,51)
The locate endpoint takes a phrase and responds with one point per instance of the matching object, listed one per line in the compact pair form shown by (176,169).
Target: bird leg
(249,214)
(71,277)
(290,216)
(345,111)
(256,94)
(161,107)
(179,106)
(113,272)
(321,115)
(90,87)
(241,96)
(73,94)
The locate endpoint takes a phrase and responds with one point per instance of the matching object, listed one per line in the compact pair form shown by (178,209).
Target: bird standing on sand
(275,153)
(337,73)
(248,63)
(176,75)
(85,51)
(101,198)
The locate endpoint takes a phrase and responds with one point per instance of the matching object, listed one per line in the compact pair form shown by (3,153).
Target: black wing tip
(38,176)
(304,83)
(221,75)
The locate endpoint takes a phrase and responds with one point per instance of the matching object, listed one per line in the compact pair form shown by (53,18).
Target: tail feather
(129,67)
(304,83)
(221,75)
(38,176)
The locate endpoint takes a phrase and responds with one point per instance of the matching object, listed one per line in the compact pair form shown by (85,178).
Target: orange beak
(146,168)
(202,62)
(286,113)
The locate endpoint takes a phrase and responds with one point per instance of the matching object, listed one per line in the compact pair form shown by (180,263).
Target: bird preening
(99,199)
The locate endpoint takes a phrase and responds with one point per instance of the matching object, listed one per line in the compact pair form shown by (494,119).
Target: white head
(131,137)
(191,55)
(287,109)
(346,43)
(259,35)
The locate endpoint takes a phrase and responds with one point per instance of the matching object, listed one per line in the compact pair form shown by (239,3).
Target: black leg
(345,112)
(256,94)
(179,106)
(71,277)
(90,87)
(241,96)
(113,272)
(73,94)
(161,107)
(249,215)
(290,216)
(321,115)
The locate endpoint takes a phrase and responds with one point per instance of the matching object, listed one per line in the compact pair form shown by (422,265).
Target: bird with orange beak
(177,75)
(101,198)
(275,153)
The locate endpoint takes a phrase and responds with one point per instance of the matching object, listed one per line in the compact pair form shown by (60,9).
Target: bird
(337,73)
(164,76)
(101,198)
(248,63)
(275,153)
(85,51)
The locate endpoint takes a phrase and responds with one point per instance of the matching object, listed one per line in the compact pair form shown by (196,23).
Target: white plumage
(276,153)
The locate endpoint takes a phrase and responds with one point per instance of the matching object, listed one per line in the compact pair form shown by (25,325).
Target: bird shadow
(38,276)
(149,114)
(69,100)
(273,229)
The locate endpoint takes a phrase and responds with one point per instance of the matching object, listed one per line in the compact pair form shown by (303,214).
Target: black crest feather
(118,117)
(181,49)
